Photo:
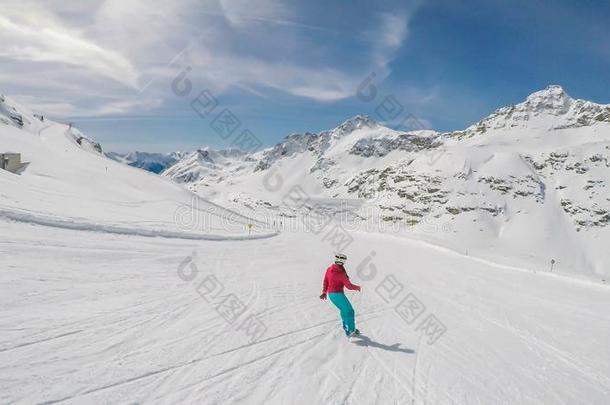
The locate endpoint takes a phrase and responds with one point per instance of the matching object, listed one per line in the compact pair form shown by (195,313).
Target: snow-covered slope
(92,318)
(15,115)
(530,180)
(71,184)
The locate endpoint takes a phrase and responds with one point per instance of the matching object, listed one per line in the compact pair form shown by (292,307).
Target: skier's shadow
(368,342)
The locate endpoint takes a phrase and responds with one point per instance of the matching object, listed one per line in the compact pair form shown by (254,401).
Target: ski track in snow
(108,320)
(82,225)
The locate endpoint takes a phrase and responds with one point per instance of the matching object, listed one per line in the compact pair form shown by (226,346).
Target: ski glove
(323,296)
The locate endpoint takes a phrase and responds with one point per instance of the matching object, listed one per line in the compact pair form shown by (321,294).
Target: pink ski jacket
(335,279)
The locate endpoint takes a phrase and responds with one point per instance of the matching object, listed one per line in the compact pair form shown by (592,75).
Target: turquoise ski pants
(347,312)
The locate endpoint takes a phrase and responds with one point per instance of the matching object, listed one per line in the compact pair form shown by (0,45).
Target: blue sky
(284,67)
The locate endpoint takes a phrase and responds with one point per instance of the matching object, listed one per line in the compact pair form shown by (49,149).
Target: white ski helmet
(340,259)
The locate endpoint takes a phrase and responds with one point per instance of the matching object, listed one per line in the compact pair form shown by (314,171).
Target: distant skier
(334,280)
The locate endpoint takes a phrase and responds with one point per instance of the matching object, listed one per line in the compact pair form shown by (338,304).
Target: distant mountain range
(514,179)
(152,162)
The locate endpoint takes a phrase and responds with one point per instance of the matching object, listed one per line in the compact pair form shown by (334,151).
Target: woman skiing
(334,280)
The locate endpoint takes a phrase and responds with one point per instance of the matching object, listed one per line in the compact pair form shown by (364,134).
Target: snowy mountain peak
(551,108)
(211,155)
(355,123)
(553,100)
(205,163)
(204,155)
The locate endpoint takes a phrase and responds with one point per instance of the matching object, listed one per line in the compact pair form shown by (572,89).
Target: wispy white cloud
(53,107)
(385,39)
(393,33)
(126,106)
(37,37)
(241,13)
(93,57)
(333,80)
